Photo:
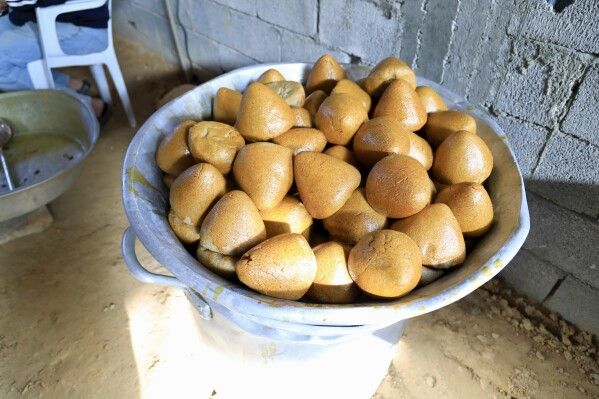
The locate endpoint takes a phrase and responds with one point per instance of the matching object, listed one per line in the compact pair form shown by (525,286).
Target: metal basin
(53,133)
(145,200)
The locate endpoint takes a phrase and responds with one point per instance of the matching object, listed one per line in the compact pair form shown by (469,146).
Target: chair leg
(119,82)
(101,81)
(38,75)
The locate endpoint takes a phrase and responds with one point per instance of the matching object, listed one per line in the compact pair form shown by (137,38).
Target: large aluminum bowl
(146,202)
(41,178)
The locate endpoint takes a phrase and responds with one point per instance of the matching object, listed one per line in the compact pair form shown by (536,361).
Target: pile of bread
(359,189)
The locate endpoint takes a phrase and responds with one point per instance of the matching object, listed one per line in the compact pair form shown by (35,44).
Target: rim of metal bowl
(237,298)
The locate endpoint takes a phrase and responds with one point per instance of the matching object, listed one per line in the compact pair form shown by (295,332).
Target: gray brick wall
(535,69)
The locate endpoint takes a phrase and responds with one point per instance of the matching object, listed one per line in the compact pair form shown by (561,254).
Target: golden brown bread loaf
(302,117)
(233,225)
(379,137)
(343,153)
(339,117)
(265,172)
(350,88)
(283,267)
(443,124)
(385,264)
(194,191)
(430,99)
(325,74)
(437,233)
(302,139)
(173,155)
(289,216)
(263,114)
(401,102)
(270,75)
(355,219)
(220,264)
(324,182)
(463,157)
(215,143)
(471,206)
(313,102)
(420,150)
(292,92)
(186,233)
(332,283)
(384,72)
(398,186)
(225,106)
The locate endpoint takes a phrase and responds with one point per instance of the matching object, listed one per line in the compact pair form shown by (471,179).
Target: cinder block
(138,24)
(370,30)
(526,140)
(568,174)
(412,18)
(214,58)
(298,48)
(489,60)
(246,34)
(154,6)
(578,303)
(531,276)
(296,15)
(563,239)
(581,120)
(246,6)
(575,27)
(538,81)
(436,33)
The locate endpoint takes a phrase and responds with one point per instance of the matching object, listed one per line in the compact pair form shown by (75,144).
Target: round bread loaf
(462,158)
(324,183)
(194,191)
(325,74)
(430,99)
(443,124)
(186,233)
(215,143)
(384,72)
(471,206)
(263,114)
(350,88)
(401,102)
(302,117)
(289,216)
(398,186)
(332,283)
(173,155)
(313,102)
(437,233)
(220,264)
(355,219)
(379,137)
(265,172)
(302,139)
(270,75)
(233,225)
(225,106)
(420,150)
(385,264)
(292,92)
(283,267)
(339,118)
(343,153)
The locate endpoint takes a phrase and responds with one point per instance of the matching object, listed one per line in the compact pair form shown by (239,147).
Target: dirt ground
(75,324)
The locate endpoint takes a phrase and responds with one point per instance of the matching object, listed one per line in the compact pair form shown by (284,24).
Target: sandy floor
(75,324)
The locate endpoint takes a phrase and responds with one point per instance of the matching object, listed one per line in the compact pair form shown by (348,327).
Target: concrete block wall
(533,67)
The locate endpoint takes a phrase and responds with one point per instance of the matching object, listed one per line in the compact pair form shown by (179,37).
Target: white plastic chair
(54,57)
